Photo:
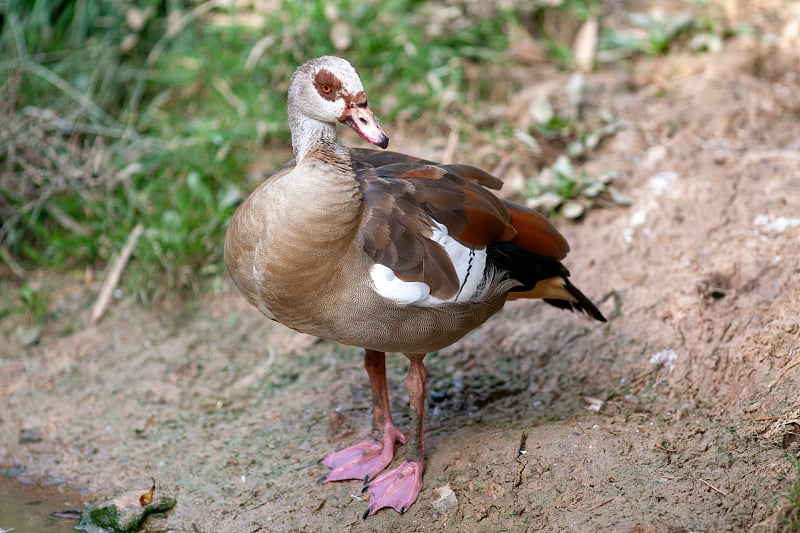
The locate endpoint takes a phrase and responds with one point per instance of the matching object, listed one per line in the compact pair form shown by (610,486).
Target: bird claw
(364,460)
(397,488)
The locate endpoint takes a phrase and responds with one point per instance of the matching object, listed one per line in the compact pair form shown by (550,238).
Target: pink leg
(366,459)
(399,488)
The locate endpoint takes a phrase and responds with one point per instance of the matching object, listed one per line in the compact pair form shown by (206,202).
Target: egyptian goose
(387,252)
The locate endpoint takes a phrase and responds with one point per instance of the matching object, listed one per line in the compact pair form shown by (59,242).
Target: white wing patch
(403,292)
(468,262)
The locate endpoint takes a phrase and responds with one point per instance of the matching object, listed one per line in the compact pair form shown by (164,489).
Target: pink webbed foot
(364,460)
(397,488)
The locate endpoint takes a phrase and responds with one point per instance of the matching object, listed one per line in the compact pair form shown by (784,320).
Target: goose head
(328,90)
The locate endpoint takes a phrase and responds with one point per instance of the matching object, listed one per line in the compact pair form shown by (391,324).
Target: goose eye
(326,88)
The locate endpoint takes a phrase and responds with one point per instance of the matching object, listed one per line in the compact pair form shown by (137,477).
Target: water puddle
(28,508)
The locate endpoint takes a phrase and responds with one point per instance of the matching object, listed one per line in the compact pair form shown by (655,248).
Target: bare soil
(680,414)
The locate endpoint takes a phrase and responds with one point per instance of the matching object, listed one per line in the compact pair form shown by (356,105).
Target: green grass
(149,111)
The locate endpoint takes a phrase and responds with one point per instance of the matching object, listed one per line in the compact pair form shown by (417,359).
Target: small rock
(29,336)
(15,471)
(654,155)
(123,514)
(662,181)
(545,202)
(446,504)
(706,42)
(30,435)
(541,111)
(573,210)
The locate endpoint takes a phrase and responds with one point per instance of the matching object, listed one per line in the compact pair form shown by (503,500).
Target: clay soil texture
(682,413)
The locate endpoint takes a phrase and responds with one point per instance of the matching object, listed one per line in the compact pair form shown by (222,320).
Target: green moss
(111,518)
(106,517)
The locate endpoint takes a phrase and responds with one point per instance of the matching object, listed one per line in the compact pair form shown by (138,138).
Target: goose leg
(366,459)
(398,488)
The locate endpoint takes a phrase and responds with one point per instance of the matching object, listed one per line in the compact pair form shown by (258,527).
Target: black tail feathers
(581,303)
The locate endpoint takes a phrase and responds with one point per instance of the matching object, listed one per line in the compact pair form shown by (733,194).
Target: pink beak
(360,118)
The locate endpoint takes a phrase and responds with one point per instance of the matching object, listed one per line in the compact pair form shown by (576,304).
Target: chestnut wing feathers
(402,203)
(395,232)
(405,196)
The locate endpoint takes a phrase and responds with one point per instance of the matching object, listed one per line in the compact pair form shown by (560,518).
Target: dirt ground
(680,414)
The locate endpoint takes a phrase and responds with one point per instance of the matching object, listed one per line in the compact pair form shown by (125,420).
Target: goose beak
(359,117)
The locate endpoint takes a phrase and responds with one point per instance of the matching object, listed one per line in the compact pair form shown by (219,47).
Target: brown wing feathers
(402,193)
(488,219)
(394,231)
(476,175)
(536,234)
(402,196)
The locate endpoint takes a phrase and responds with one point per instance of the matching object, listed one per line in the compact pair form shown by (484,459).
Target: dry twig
(9,260)
(114,274)
(766,418)
(449,153)
(712,487)
(598,505)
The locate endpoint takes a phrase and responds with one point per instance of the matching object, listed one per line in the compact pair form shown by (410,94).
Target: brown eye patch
(327,85)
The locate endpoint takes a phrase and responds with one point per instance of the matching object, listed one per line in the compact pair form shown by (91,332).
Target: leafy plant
(652,33)
(560,188)
(35,303)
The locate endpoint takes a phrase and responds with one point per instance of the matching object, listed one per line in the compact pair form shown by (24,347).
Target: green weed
(561,189)
(35,303)
(652,33)
(149,111)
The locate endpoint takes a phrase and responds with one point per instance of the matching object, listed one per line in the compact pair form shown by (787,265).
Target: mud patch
(30,508)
